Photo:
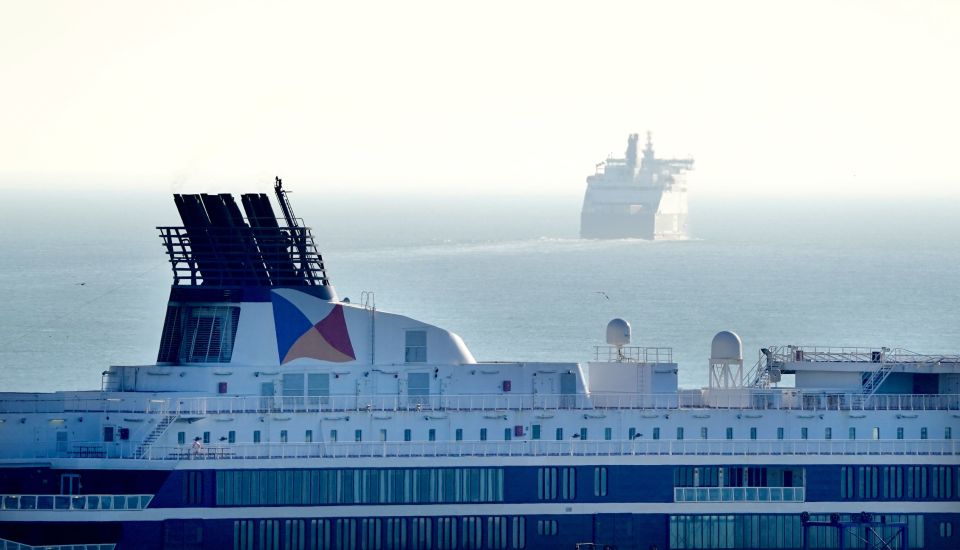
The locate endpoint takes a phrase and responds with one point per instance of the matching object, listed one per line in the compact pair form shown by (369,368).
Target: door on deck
(568,390)
(267,391)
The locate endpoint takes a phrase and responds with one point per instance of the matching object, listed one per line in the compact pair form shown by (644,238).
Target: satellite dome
(726,345)
(618,332)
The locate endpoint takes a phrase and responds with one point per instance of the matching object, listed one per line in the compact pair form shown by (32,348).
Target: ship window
(256,436)
(547,527)
(899,433)
(370,533)
(804,433)
(779,433)
(472,532)
(346,535)
(446,533)
(828,433)
(418,387)
(729,433)
(181,438)
(947,433)
(536,431)
(396,534)
(318,388)
(231,436)
(583,434)
(569,477)
(415,350)
(192,488)
(923,433)
(293,390)
(206,438)
(632,433)
(507,434)
(519,532)
(875,433)
(308,436)
(483,434)
(243,534)
(753,433)
(421,533)
(496,532)
(656,433)
(679,433)
(559,434)
(333,436)
(608,433)
(407,434)
(459,434)
(853,433)
(283,436)
(432,434)
(358,435)
(383,434)
(703,432)
(600,482)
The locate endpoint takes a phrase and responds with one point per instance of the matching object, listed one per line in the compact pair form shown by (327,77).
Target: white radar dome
(618,332)
(726,345)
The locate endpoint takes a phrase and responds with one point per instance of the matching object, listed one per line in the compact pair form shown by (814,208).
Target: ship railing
(11,545)
(746,399)
(106,402)
(632,354)
(494,403)
(74,502)
(527,447)
(879,354)
(739,494)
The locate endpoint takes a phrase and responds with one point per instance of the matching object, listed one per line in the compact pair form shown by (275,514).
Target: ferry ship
(278,416)
(624,200)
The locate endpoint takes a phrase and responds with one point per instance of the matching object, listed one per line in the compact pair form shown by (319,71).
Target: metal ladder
(874,379)
(154,435)
(369,302)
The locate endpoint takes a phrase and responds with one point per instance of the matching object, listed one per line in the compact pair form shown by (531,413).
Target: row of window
(738,476)
(786,531)
(536,432)
(358,486)
(548,480)
(417,533)
(898,482)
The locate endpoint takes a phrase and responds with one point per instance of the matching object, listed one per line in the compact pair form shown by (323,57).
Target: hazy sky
(832,98)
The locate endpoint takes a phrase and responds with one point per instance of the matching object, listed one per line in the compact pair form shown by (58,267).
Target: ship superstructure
(625,199)
(279,416)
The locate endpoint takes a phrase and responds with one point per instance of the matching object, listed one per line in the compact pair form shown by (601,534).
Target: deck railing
(10,545)
(74,502)
(833,354)
(261,451)
(773,399)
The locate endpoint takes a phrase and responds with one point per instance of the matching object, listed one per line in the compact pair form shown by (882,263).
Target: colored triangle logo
(327,340)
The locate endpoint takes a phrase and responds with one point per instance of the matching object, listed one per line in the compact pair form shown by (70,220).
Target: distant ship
(649,202)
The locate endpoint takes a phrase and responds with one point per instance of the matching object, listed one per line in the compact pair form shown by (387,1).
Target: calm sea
(83,279)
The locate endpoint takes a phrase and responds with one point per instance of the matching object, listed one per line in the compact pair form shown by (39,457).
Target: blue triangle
(290,324)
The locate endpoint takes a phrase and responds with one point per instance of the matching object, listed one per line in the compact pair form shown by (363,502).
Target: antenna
(284,202)
(298,235)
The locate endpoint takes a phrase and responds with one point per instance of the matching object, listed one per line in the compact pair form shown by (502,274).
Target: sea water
(84,279)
